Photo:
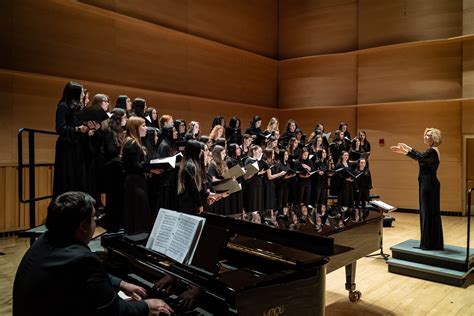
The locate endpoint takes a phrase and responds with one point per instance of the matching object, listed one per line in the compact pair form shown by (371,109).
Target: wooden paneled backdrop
(391,68)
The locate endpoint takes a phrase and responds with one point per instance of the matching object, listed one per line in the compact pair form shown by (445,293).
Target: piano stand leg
(354,295)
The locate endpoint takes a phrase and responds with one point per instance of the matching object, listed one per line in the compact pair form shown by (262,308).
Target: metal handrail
(31,166)
(469,193)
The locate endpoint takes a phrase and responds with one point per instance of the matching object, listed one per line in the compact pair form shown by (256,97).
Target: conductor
(429,188)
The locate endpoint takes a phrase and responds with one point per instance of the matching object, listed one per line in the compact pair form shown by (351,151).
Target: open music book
(176,235)
(236,171)
(166,163)
(387,208)
(251,169)
(227,185)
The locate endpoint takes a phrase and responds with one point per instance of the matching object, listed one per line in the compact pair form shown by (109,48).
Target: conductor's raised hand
(405,147)
(397,149)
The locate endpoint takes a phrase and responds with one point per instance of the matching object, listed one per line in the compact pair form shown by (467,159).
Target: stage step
(431,273)
(452,257)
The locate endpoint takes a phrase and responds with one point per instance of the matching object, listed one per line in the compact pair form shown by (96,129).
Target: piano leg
(354,295)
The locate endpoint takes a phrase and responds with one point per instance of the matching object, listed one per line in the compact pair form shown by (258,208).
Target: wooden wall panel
(309,28)
(426,72)
(330,117)
(406,123)
(6,30)
(13,215)
(468,69)
(402,190)
(468,17)
(398,21)
(33,99)
(7,136)
(468,116)
(74,40)
(318,81)
(248,25)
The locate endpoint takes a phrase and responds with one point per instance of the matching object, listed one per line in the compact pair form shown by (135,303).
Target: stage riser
(430,276)
(436,262)
(452,257)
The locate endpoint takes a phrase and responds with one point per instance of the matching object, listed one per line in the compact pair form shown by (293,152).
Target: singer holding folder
(429,187)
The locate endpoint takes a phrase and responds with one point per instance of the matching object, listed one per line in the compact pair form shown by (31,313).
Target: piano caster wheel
(354,296)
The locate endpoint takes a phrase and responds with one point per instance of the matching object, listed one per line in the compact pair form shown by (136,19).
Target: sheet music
(183,239)
(251,169)
(386,207)
(162,233)
(170,160)
(176,235)
(236,171)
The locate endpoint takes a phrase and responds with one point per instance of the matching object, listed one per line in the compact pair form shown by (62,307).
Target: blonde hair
(435,135)
(272,124)
(215,130)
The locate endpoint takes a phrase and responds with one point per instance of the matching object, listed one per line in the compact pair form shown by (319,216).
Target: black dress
(269,188)
(222,206)
(233,135)
(303,184)
(429,195)
(70,173)
(136,208)
(253,191)
(346,195)
(319,184)
(282,185)
(167,181)
(114,180)
(362,186)
(236,200)
(191,199)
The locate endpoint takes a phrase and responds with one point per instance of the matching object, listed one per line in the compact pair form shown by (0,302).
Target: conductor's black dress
(429,195)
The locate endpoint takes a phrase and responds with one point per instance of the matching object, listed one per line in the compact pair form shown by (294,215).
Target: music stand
(385,208)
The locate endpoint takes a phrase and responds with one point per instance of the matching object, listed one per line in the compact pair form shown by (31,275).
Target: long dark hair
(232,150)
(167,147)
(138,106)
(254,120)
(72,95)
(218,121)
(150,144)
(121,102)
(191,160)
(114,125)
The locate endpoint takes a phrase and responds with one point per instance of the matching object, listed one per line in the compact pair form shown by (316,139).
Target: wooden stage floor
(383,293)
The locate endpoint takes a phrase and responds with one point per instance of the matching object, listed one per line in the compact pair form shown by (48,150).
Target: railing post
(32,176)
(469,193)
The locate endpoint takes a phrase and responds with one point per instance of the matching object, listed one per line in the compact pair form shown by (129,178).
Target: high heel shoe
(346,217)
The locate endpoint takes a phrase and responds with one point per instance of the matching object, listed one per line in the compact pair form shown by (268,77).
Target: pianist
(59,275)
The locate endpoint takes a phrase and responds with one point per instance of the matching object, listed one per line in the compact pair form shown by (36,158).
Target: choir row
(106,151)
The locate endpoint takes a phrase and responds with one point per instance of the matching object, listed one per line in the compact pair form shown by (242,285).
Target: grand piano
(246,268)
